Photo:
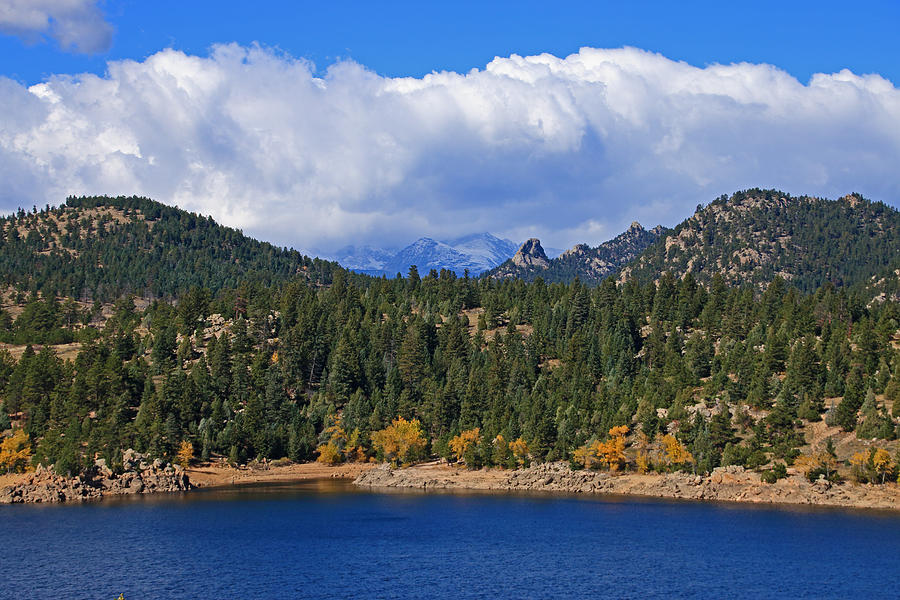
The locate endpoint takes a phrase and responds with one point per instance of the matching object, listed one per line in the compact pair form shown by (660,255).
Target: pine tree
(854,395)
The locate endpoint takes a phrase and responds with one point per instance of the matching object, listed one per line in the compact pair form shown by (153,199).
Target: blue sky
(414,38)
(317,125)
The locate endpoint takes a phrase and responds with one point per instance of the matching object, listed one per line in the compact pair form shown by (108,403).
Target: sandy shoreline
(220,475)
(726,484)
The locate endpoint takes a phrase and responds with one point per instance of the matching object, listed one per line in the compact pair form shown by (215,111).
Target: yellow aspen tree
(584,456)
(816,460)
(611,453)
(804,463)
(676,453)
(15,452)
(329,454)
(520,450)
(619,431)
(881,461)
(185,454)
(859,463)
(461,443)
(600,451)
(827,461)
(400,442)
(642,459)
(332,450)
(615,449)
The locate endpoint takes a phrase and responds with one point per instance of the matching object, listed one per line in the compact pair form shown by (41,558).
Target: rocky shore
(139,476)
(731,484)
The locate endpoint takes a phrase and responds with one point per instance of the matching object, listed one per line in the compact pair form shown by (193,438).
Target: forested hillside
(883,286)
(305,372)
(100,248)
(482,370)
(756,235)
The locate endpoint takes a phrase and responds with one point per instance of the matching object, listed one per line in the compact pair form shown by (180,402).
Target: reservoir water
(326,539)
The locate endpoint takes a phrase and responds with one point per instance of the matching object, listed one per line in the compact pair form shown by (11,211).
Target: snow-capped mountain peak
(476,252)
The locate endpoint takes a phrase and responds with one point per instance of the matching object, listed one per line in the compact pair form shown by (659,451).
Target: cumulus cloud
(76,25)
(567,149)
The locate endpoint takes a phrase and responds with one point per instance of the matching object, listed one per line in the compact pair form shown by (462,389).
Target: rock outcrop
(590,265)
(531,255)
(138,476)
(732,484)
(577,250)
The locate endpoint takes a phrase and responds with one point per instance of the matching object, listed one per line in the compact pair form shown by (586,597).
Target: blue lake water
(325,539)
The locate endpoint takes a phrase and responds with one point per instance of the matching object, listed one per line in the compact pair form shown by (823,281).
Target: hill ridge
(755,235)
(101,247)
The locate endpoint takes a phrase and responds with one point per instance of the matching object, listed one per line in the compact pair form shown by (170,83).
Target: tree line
(482,371)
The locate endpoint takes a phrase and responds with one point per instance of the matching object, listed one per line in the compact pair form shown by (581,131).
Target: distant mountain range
(476,253)
(590,265)
(100,247)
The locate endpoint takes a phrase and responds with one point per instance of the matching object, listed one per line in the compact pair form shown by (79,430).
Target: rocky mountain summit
(529,258)
(591,265)
(139,476)
(531,255)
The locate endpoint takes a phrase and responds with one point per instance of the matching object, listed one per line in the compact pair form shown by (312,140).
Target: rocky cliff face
(531,256)
(139,476)
(529,260)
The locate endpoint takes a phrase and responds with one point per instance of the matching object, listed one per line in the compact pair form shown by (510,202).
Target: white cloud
(76,25)
(568,150)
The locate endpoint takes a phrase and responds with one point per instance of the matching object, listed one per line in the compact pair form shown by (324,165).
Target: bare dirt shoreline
(222,475)
(725,484)
(728,484)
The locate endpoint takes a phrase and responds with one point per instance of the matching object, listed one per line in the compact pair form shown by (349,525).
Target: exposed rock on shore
(138,477)
(732,484)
